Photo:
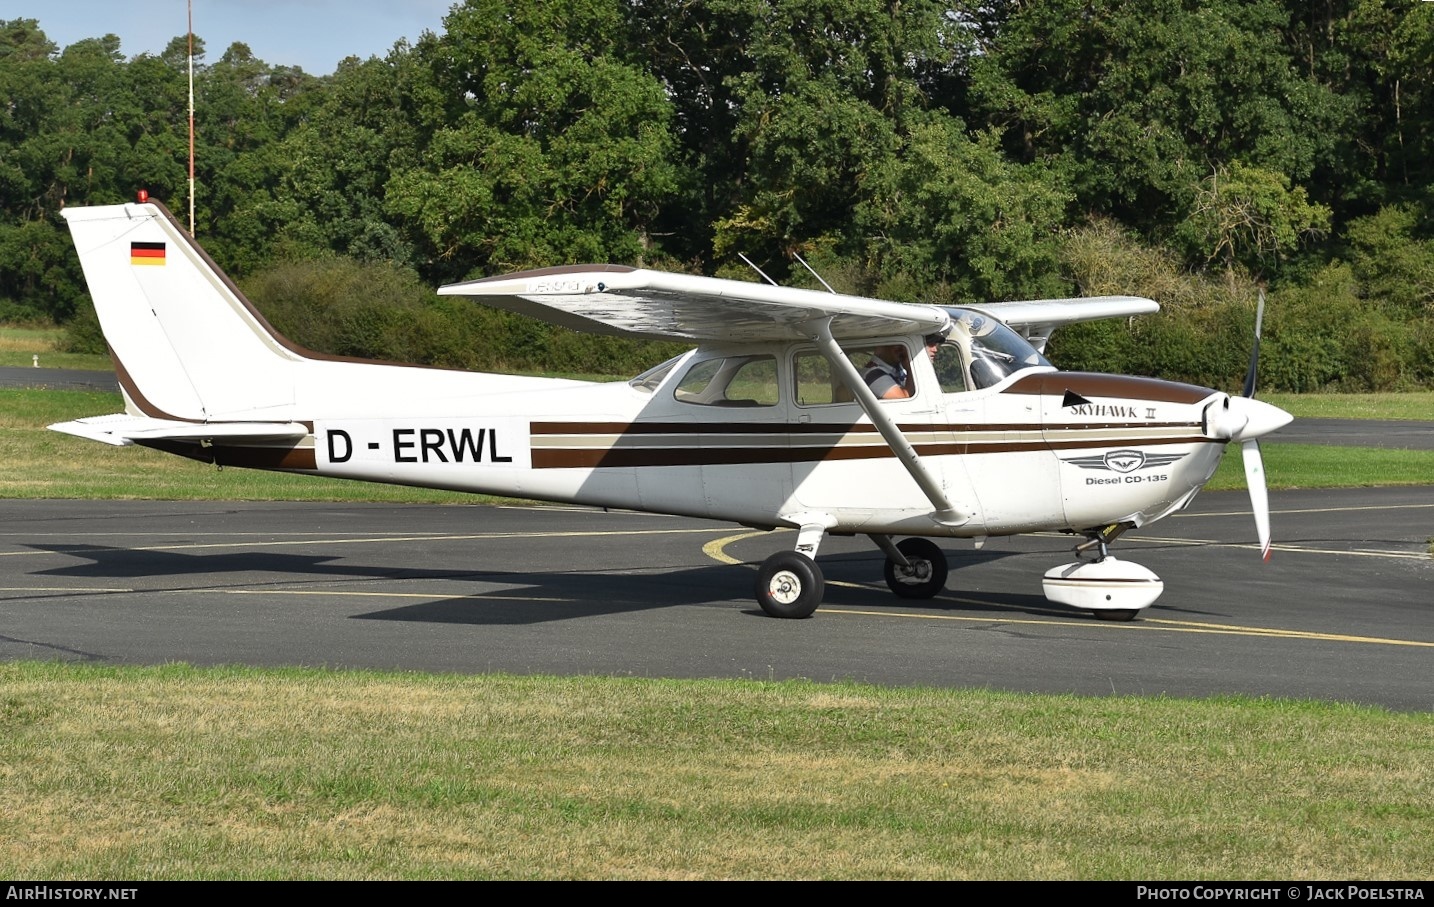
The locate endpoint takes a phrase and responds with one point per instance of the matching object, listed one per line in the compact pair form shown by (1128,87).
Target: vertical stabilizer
(187,344)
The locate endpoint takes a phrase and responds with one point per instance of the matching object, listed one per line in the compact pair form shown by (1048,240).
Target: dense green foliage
(947,152)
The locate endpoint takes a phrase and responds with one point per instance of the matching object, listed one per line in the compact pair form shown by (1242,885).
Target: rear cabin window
(731,381)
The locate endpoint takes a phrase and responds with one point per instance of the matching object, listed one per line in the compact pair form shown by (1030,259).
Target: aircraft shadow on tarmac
(530,598)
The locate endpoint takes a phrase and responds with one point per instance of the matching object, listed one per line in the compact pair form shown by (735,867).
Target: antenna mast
(191,117)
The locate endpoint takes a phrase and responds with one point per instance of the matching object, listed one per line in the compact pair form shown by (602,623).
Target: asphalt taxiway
(1341,612)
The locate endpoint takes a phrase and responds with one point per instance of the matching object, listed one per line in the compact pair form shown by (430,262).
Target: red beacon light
(142,195)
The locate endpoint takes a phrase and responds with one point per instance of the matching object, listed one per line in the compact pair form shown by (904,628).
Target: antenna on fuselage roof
(814,272)
(758,270)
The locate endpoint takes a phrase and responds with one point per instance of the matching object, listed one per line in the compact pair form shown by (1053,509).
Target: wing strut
(946,514)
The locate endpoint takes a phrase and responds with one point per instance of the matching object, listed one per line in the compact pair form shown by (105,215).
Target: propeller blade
(1255,350)
(1259,495)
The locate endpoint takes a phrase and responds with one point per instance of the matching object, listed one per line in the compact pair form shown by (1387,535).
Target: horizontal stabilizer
(122,430)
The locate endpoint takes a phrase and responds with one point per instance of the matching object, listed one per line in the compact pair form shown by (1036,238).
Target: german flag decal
(146,253)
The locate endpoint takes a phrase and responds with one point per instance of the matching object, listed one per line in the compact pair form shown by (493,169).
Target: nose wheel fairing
(1111,588)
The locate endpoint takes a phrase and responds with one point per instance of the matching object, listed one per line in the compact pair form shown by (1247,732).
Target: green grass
(234,773)
(1289,466)
(1417,405)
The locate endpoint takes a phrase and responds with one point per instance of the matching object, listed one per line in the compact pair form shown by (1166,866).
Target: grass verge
(176,772)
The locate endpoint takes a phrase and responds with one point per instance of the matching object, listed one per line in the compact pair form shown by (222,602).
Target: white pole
(191,117)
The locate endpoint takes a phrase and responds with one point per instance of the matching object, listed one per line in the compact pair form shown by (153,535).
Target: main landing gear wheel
(789,585)
(926,574)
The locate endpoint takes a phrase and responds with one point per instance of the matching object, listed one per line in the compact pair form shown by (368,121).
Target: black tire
(1116,613)
(789,585)
(927,574)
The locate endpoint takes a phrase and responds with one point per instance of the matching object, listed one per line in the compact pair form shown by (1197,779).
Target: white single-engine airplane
(769,422)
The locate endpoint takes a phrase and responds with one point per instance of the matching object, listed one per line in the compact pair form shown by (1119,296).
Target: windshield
(996,350)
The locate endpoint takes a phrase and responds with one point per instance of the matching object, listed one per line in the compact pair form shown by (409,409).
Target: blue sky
(312,34)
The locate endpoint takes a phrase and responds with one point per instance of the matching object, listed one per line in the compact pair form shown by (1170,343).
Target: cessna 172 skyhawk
(768,422)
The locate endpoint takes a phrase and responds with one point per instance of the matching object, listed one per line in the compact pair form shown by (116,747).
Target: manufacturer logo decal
(555,285)
(1123,461)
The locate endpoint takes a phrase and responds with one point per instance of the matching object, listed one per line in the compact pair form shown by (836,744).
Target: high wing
(612,299)
(1035,319)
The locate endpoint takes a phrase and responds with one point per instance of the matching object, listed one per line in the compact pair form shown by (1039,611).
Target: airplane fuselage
(1044,449)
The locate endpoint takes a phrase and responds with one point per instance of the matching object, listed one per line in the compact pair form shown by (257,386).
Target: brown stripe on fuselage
(726,456)
(759,428)
(698,455)
(698,428)
(632,429)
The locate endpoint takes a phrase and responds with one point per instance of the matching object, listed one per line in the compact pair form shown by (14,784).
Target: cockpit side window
(815,385)
(950,369)
(731,381)
(882,366)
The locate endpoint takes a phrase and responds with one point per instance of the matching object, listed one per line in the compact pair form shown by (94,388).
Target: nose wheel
(789,585)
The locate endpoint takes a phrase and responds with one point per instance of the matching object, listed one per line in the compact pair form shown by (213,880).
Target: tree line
(1193,152)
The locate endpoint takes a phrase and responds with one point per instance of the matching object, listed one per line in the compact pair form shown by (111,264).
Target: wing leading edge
(613,299)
